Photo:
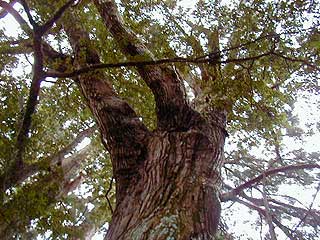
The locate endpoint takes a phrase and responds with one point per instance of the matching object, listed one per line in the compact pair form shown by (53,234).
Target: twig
(107,193)
(308,212)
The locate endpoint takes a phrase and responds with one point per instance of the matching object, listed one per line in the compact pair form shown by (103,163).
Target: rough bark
(176,197)
(123,134)
(173,112)
(167,181)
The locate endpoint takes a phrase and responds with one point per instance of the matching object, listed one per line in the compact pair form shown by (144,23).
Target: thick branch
(32,101)
(57,158)
(38,76)
(123,134)
(166,84)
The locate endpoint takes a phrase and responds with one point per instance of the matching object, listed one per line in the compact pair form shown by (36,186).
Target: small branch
(263,37)
(45,27)
(302,61)
(4,12)
(9,9)
(236,191)
(149,63)
(308,212)
(42,29)
(48,81)
(107,193)
(268,211)
(262,212)
(27,10)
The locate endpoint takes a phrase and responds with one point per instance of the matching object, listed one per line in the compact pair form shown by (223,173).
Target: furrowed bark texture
(123,134)
(176,197)
(167,181)
(164,82)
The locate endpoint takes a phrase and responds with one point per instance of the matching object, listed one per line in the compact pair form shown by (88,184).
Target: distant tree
(162,87)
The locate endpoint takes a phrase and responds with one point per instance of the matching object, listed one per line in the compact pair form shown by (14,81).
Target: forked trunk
(167,181)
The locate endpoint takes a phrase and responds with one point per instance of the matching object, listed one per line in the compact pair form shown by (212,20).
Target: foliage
(263,56)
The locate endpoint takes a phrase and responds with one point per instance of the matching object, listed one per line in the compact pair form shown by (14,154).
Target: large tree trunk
(177,195)
(167,181)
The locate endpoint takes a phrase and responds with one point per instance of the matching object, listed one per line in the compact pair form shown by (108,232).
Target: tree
(164,86)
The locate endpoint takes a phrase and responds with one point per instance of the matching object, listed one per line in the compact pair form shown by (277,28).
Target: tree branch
(165,83)
(313,216)
(46,26)
(299,60)
(8,8)
(38,76)
(196,60)
(107,195)
(308,212)
(123,134)
(57,158)
(268,214)
(27,10)
(236,191)
(32,101)
(262,212)
(28,170)
(4,12)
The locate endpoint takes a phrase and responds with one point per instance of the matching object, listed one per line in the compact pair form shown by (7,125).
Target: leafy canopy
(254,58)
